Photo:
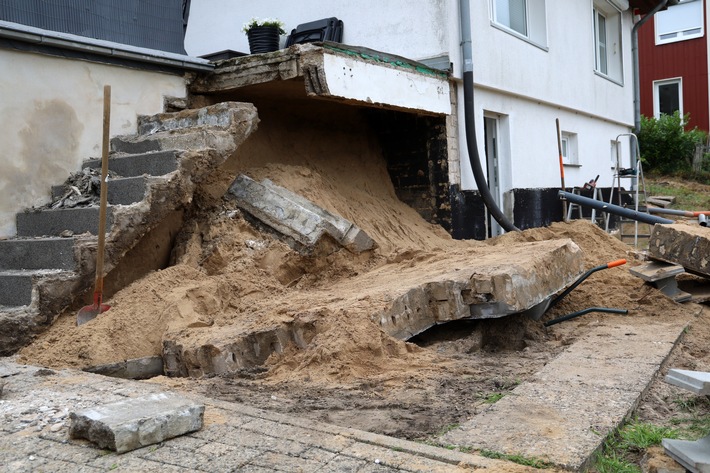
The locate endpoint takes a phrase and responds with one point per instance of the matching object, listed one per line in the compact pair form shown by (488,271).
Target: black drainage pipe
(585,311)
(469,113)
(614,209)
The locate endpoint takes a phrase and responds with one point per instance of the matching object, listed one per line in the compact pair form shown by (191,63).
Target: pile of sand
(229,275)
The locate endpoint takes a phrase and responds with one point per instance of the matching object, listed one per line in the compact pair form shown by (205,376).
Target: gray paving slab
(137,422)
(695,381)
(34,433)
(693,455)
(564,414)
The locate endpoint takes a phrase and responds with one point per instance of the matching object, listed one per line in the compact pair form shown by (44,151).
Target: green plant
(519,459)
(493,398)
(612,463)
(621,449)
(666,147)
(643,435)
(256,22)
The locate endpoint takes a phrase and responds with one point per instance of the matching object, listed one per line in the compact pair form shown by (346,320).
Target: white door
(493,169)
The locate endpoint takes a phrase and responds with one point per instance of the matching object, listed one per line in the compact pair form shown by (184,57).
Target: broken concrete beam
(695,381)
(693,455)
(134,423)
(139,368)
(686,245)
(218,127)
(296,217)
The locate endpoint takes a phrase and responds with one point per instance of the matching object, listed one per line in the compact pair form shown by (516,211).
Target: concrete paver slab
(564,414)
(133,423)
(694,456)
(686,245)
(695,381)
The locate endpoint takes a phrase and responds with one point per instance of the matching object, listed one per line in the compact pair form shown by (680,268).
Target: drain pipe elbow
(469,118)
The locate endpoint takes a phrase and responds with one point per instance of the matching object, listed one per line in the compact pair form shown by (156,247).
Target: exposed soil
(229,274)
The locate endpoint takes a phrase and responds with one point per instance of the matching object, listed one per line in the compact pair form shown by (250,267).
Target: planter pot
(263,39)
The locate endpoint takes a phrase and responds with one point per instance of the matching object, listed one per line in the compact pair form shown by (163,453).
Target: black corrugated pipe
(469,115)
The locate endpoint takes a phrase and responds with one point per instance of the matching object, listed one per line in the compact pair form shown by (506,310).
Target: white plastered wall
(51,113)
(532,85)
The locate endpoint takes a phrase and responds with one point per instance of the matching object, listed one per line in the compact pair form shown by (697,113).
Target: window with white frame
(667,97)
(608,61)
(680,22)
(523,18)
(569,148)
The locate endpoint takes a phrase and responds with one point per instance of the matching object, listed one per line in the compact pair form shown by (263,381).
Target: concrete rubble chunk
(134,423)
(296,217)
(695,381)
(138,368)
(686,245)
(694,456)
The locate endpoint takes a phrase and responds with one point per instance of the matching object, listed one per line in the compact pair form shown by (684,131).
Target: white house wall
(51,120)
(530,84)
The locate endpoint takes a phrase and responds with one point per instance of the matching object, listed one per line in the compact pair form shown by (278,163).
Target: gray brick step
(37,253)
(16,285)
(121,191)
(54,222)
(146,161)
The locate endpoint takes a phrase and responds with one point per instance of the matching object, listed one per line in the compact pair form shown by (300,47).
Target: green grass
(493,398)
(686,198)
(697,424)
(519,459)
(622,450)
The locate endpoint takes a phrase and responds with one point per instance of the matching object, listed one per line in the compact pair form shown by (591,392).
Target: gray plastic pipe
(469,118)
(614,209)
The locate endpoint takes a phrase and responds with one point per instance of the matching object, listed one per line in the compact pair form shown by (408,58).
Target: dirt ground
(227,274)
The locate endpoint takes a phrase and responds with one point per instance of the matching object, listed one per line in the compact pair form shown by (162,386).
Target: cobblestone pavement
(34,423)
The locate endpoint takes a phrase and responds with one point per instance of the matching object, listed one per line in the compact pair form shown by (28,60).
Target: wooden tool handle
(104,191)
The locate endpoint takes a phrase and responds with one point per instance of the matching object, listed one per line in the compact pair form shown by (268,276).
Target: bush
(665,146)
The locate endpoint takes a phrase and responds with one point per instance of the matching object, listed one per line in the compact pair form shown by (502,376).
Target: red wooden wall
(687,59)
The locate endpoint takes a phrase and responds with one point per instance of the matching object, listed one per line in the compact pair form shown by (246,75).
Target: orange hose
(618,262)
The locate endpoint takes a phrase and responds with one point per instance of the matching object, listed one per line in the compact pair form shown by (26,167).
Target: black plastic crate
(327,29)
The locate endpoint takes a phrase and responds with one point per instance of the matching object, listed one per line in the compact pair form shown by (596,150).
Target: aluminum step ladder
(636,190)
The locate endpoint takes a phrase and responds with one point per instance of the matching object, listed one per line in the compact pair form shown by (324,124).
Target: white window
(569,148)
(680,22)
(667,97)
(608,61)
(523,18)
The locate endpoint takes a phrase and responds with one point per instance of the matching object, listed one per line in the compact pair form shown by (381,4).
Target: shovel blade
(90,312)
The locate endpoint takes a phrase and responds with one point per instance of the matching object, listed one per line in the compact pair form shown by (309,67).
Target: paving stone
(695,381)
(693,455)
(134,423)
(344,463)
(282,462)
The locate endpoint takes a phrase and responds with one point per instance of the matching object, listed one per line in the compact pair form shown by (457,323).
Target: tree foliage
(666,147)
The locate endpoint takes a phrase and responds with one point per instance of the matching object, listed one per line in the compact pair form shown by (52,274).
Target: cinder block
(54,222)
(695,381)
(134,423)
(151,163)
(37,253)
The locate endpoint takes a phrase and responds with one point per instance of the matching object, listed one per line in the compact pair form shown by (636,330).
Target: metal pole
(614,209)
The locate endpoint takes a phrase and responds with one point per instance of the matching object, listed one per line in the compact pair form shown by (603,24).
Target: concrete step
(37,253)
(148,161)
(54,222)
(121,191)
(16,288)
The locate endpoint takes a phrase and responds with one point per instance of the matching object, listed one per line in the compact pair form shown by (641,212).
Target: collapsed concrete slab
(138,368)
(134,423)
(295,217)
(492,284)
(565,413)
(686,245)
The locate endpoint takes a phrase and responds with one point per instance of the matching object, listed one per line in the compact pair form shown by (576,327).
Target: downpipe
(469,118)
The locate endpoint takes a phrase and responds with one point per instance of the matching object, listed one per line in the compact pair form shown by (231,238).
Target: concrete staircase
(162,167)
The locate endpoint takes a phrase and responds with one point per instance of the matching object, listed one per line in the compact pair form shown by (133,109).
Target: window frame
(656,96)
(535,19)
(679,36)
(613,46)
(570,154)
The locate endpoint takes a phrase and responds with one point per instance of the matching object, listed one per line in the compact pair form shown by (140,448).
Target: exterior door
(493,169)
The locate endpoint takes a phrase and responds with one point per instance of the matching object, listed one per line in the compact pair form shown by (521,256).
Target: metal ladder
(637,190)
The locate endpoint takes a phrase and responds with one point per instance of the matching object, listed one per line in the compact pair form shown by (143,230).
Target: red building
(673,63)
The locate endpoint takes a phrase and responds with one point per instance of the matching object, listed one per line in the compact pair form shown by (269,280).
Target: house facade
(673,60)
(534,61)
